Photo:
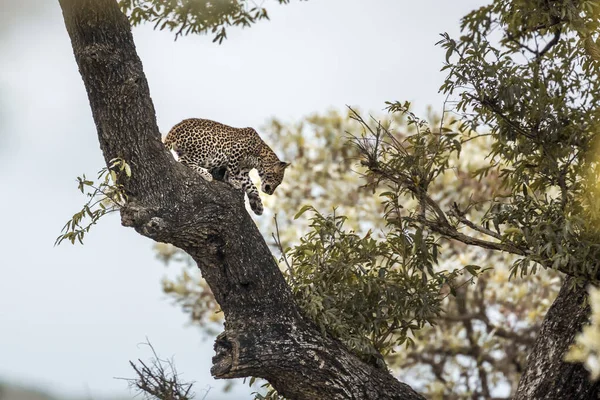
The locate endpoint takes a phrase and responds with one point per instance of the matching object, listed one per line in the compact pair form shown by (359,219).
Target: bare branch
(159,380)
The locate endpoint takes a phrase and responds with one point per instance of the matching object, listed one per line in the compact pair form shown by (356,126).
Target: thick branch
(547,376)
(242,353)
(449,231)
(265,335)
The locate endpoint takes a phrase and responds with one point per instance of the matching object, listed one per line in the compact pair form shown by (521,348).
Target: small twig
(183,25)
(277,240)
(459,215)
(475,137)
(155,381)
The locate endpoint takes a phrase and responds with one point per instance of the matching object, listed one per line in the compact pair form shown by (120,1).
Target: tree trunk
(547,376)
(265,336)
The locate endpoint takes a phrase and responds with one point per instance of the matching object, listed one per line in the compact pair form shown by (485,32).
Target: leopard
(206,146)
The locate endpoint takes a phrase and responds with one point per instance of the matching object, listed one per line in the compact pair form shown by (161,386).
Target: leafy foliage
(431,172)
(369,293)
(536,90)
(195,16)
(104,197)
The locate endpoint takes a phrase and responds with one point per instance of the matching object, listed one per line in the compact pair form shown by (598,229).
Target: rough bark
(547,376)
(264,336)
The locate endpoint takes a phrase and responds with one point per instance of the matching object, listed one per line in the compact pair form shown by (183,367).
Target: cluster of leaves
(195,16)
(536,91)
(104,196)
(370,293)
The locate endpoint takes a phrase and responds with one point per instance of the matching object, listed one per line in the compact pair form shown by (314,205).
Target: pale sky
(72,316)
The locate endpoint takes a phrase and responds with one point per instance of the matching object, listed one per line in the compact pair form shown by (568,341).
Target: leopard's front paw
(256,205)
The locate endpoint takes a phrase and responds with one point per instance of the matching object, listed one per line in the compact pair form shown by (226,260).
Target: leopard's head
(272,176)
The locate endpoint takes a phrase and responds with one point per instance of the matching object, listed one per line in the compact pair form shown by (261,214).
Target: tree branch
(450,232)
(477,354)
(460,216)
(549,45)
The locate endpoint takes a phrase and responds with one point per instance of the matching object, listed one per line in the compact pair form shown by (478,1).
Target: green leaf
(303,210)
(472,269)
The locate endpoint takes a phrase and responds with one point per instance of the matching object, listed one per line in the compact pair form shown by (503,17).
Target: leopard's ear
(284,165)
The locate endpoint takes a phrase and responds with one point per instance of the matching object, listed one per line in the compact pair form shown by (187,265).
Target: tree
(539,113)
(264,326)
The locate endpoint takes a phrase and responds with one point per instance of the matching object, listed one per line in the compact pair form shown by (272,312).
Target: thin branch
(494,108)
(186,13)
(159,380)
(550,44)
(452,233)
(277,240)
(463,141)
(521,45)
(460,216)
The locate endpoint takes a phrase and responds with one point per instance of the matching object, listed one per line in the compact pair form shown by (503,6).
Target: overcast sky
(72,316)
